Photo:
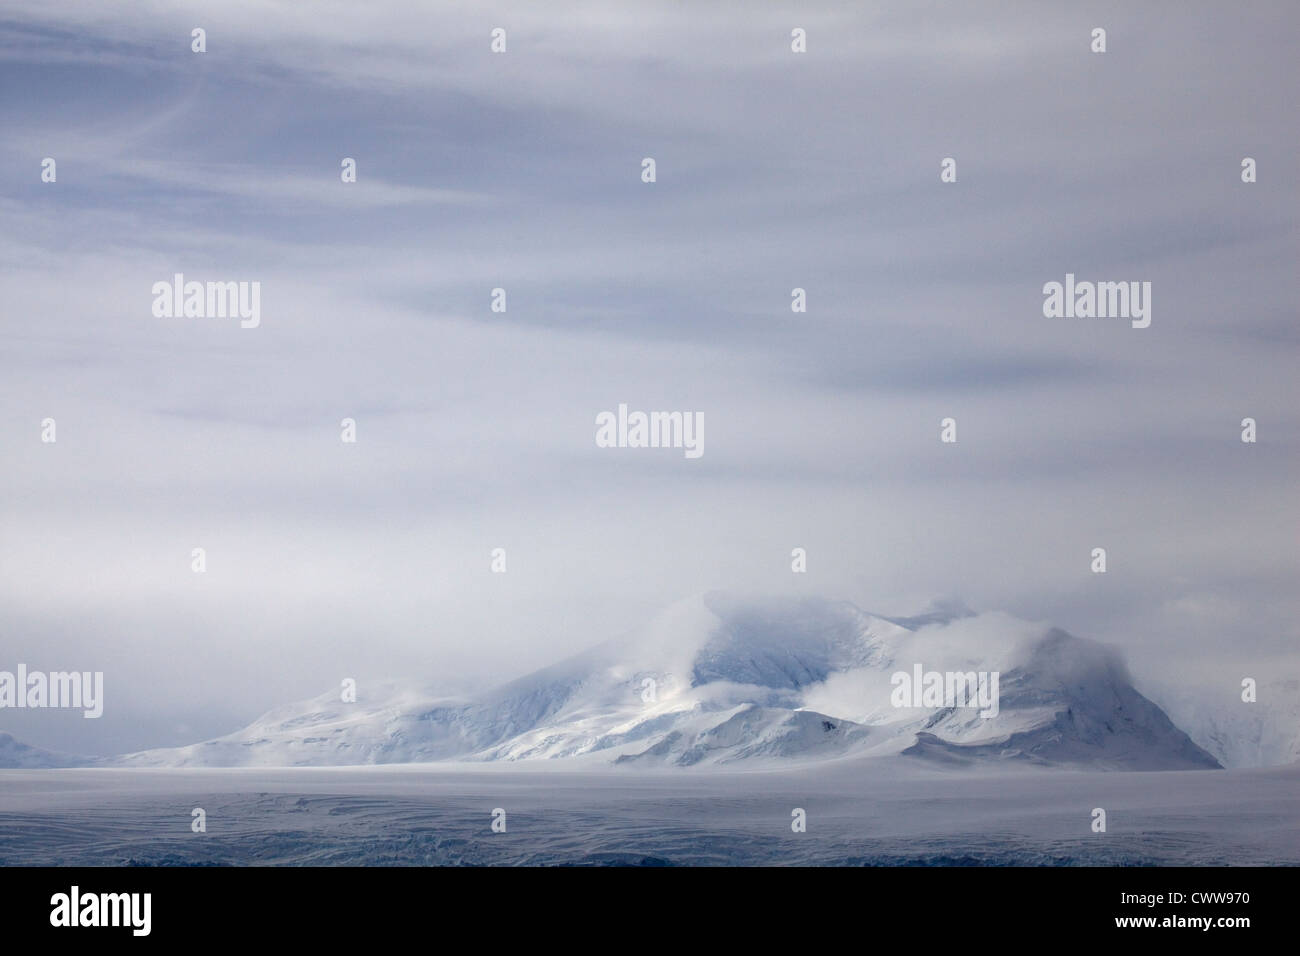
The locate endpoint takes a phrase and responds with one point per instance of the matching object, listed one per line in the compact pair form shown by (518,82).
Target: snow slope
(1262,733)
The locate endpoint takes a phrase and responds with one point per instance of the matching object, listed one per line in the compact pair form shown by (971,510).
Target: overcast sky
(475,429)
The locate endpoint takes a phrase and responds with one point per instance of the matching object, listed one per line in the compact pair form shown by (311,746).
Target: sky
(522,170)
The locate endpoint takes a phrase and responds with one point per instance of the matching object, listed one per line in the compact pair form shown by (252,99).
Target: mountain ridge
(720,679)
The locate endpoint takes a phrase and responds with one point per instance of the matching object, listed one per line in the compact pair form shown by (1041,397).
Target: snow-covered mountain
(719,679)
(1070,701)
(1260,733)
(17,755)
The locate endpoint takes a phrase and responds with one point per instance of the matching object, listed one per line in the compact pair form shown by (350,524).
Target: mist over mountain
(1263,733)
(724,679)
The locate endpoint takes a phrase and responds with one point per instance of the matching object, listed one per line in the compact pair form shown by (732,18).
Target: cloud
(522,171)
